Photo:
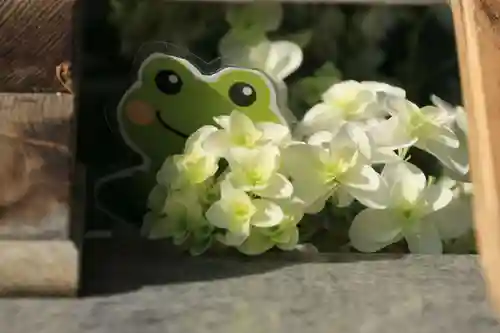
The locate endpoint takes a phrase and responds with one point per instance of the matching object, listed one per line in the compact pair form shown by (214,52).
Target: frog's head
(171,99)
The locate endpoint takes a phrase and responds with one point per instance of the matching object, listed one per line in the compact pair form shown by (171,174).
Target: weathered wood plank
(35,37)
(37,135)
(39,268)
(477,30)
(353,2)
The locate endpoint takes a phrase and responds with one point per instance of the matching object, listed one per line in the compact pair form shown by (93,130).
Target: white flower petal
(289,239)
(342,198)
(362,177)
(445,136)
(321,138)
(366,185)
(341,90)
(195,140)
(371,199)
(436,197)
(423,238)
(391,133)
(157,198)
(316,206)
(217,216)
(374,229)
(384,156)
(360,138)
(283,59)
(275,133)
(320,117)
(461,120)
(222,121)
(443,153)
(438,116)
(401,107)
(385,88)
(310,189)
(257,243)
(405,181)
(454,220)
(279,187)
(298,157)
(240,123)
(217,143)
(235,238)
(267,213)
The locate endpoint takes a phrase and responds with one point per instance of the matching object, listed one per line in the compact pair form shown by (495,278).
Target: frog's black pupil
(168,82)
(242,94)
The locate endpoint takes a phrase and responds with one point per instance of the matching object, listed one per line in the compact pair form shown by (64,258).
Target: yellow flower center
(246,139)
(241,210)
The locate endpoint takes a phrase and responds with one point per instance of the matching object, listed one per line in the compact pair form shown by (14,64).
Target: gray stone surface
(131,290)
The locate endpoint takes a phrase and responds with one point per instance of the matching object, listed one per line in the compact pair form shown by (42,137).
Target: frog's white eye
(242,94)
(168,82)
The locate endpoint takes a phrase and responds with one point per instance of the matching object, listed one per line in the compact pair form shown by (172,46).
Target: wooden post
(40,219)
(477,30)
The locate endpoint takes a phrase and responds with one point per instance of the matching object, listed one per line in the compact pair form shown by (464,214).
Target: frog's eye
(168,82)
(242,94)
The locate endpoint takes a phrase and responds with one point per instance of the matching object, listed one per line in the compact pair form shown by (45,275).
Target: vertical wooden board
(477,29)
(35,37)
(36,166)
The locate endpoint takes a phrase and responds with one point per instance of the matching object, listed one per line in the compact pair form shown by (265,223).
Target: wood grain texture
(35,37)
(37,135)
(38,268)
(477,30)
(353,2)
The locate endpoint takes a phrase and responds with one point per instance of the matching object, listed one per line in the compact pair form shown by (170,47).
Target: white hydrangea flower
(238,130)
(180,215)
(427,128)
(192,167)
(410,214)
(256,170)
(319,170)
(457,161)
(347,101)
(236,212)
(285,235)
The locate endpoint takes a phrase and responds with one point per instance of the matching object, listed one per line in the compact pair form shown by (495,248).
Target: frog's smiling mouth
(168,127)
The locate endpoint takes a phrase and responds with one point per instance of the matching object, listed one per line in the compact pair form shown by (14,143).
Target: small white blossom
(236,212)
(427,128)
(410,214)
(284,235)
(457,161)
(194,166)
(347,101)
(238,130)
(318,171)
(256,170)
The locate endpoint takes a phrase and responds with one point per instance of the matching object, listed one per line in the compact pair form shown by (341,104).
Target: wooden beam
(352,2)
(39,213)
(36,36)
(477,30)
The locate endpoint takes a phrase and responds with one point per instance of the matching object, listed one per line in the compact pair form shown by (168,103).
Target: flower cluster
(360,125)
(247,185)
(227,187)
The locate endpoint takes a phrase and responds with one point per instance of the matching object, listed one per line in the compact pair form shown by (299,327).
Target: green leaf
(200,245)
(302,38)
(310,89)
(265,16)
(328,70)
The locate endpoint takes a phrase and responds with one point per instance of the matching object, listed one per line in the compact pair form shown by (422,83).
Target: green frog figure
(170,100)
